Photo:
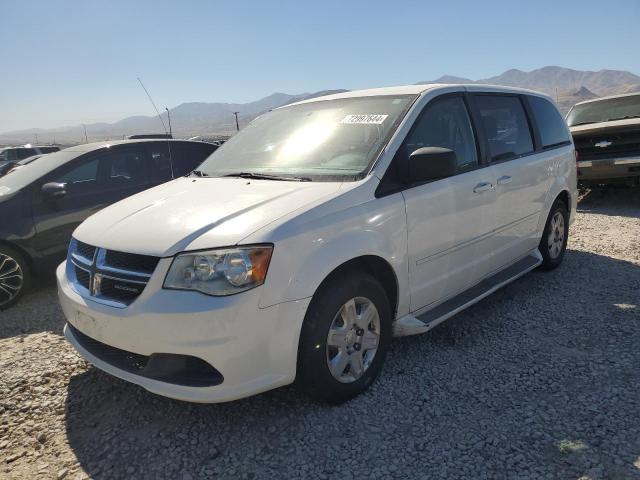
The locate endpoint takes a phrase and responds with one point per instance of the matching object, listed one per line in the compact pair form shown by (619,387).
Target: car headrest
(490,127)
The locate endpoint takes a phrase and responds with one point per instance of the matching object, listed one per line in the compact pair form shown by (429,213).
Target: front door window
(446,124)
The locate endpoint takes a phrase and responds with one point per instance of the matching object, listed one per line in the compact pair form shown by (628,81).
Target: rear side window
(126,168)
(188,156)
(160,163)
(505,125)
(553,129)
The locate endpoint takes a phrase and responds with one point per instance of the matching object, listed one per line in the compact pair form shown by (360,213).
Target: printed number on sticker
(365,119)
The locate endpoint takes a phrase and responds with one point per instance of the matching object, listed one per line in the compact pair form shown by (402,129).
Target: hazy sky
(71,62)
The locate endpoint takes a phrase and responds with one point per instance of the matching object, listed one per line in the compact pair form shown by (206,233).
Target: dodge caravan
(324,228)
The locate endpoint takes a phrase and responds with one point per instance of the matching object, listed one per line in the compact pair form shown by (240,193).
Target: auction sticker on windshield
(364,119)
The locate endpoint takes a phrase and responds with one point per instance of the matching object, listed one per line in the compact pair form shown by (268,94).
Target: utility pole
(85,133)
(557,95)
(237,124)
(169,117)
(36,138)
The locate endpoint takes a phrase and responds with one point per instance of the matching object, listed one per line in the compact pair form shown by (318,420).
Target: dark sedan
(42,203)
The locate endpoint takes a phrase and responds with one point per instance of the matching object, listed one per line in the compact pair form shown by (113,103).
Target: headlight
(220,272)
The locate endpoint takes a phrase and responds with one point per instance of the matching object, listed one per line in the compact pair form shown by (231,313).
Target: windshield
(324,140)
(26,174)
(605,110)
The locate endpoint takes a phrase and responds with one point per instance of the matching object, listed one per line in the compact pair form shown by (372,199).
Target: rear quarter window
(160,162)
(552,127)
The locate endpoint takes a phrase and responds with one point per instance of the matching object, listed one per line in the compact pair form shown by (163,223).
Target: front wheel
(344,338)
(14,277)
(556,234)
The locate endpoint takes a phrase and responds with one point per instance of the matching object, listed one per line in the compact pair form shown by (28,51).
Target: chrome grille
(603,145)
(108,276)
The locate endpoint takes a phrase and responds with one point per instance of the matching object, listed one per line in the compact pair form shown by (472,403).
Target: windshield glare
(318,140)
(605,110)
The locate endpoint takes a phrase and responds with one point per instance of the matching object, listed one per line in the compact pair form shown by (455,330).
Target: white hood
(197,213)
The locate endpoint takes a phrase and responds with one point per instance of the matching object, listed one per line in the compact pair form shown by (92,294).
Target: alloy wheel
(353,339)
(555,240)
(11,279)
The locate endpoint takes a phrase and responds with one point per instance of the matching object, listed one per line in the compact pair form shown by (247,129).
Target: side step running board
(411,325)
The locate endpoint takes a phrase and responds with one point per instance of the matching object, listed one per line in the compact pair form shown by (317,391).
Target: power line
(169,118)
(237,124)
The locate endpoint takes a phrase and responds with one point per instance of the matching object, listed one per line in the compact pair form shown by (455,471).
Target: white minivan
(317,233)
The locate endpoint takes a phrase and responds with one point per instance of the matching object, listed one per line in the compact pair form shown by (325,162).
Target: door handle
(504,180)
(482,187)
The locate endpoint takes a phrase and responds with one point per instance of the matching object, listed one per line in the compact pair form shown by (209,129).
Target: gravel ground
(539,380)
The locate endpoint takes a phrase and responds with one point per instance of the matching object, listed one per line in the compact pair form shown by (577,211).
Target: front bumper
(254,349)
(608,169)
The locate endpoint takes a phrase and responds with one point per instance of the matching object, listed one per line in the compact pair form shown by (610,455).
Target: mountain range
(565,85)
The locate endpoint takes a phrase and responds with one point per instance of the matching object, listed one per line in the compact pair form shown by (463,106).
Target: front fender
(322,243)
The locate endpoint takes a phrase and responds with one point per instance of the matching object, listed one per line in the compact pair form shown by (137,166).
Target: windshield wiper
(197,173)
(581,123)
(266,176)
(622,118)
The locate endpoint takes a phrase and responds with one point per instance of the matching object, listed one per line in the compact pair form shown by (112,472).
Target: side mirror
(431,163)
(54,190)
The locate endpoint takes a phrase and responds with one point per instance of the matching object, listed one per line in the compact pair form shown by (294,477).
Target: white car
(15,154)
(321,230)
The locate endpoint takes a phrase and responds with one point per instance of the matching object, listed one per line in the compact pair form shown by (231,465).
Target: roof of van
(418,90)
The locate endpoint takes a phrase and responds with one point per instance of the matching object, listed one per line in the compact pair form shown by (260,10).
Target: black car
(42,203)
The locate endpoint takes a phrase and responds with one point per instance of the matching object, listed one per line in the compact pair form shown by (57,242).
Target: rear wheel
(344,338)
(556,234)
(14,277)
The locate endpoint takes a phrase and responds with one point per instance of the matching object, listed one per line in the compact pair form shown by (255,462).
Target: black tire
(12,264)
(551,257)
(314,375)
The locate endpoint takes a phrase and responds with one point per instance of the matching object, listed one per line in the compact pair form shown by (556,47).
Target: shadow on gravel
(624,202)
(540,379)
(38,311)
